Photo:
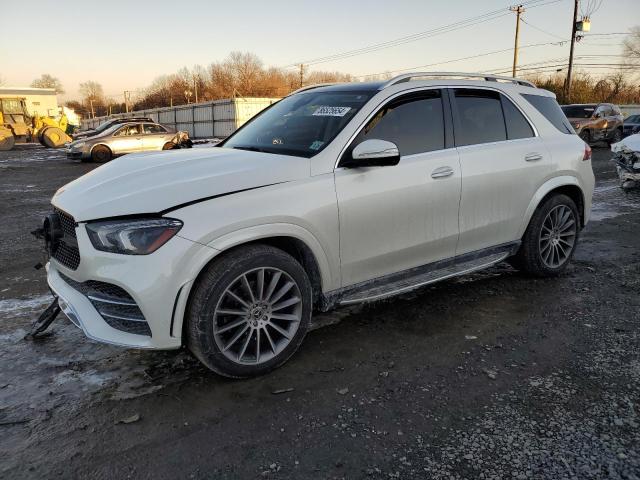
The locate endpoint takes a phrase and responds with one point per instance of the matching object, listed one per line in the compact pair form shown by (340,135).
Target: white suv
(335,195)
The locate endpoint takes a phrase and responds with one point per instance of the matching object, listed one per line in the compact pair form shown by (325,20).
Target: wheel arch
(566,185)
(100,145)
(301,246)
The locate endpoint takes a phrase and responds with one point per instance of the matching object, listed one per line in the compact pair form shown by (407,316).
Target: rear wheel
(169,146)
(616,137)
(7,140)
(585,135)
(551,237)
(249,311)
(101,154)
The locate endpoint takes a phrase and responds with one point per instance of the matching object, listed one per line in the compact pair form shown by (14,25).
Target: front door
(127,139)
(503,164)
(397,217)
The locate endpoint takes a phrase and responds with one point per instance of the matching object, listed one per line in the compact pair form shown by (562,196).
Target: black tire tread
(528,258)
(201,342)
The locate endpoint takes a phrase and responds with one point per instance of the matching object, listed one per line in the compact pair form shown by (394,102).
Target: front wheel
(616,137)
(249,311)
(169,146)
(585,135)
(101,154)
(551,238)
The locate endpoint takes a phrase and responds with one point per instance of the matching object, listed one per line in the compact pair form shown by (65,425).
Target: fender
(543,190)
(330,276)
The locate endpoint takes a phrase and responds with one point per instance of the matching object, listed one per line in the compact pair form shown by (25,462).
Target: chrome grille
(114,305)
(66,251)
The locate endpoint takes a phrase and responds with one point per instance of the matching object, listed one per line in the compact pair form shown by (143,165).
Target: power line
(470,57)
(540,29)
(469,22)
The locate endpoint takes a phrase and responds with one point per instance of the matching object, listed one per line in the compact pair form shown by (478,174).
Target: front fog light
(132,237)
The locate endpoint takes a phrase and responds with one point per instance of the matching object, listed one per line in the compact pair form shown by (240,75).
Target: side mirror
(374,153)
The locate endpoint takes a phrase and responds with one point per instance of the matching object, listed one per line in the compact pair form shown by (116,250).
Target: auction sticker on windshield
(326,111)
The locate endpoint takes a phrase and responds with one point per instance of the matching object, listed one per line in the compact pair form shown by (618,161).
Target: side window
(127,131)
(479,117)
(150,128)
(517,125)
(549,108)
(414,123)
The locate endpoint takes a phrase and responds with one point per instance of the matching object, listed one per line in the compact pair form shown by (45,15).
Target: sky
(124,45)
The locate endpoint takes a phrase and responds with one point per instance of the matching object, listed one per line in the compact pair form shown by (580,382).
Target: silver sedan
(126,138)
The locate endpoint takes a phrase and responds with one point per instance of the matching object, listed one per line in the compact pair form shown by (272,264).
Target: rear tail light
(587,152)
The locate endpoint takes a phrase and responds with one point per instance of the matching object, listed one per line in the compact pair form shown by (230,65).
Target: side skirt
(407,280)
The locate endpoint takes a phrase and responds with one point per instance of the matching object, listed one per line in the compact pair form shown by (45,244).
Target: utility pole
(519,10)
(195,87)
(301,74)
(567,85)
(93,113)
(127,97)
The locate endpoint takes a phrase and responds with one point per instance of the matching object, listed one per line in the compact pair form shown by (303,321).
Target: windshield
(578,111)
(300,125)
(633,119)
(104,125)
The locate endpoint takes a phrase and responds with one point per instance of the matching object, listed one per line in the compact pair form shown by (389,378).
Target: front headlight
(77,146)
(132,237)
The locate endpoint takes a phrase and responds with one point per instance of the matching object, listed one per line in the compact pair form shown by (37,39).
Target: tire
(7,140)
(535,251)
(240,351)
(41,135)
(169,146)
(617,136)
(101,154)
(585,135)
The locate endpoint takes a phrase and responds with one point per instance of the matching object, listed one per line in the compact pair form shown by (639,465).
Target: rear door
(154,136)
(127,139)
(503,163)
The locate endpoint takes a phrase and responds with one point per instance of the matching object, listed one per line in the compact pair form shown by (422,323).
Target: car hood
(157,181)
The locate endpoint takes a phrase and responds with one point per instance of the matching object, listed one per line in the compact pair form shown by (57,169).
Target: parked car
(106,125)
(631,125)
(596,121)
(125,138)
(335,195)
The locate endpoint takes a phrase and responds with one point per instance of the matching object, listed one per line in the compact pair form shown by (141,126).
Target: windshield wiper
(251,149)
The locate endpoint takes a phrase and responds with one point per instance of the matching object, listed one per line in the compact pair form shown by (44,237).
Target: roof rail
(310,87)
(406,77)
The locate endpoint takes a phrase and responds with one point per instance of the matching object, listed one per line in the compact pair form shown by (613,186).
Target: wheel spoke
(231,312)
(280,293)
(567,226)
(231,326)
(285,304)
(285,316)
(247,287)
(257,345)
(272,285)
(244,347)
(238,299)
(273,346)
(235,338)
(260,284)
(280,330)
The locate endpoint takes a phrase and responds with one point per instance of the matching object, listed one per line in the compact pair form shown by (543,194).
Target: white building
(41,101)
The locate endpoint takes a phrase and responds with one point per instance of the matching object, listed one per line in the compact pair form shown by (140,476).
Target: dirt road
(492,375)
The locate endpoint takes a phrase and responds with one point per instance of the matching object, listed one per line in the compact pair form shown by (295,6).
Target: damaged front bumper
(627,160)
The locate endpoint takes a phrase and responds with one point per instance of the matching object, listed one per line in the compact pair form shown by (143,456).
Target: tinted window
(150,128)
(550,109)
(517,125)
(479,117)
(128,130)
(414,124)
(577,111)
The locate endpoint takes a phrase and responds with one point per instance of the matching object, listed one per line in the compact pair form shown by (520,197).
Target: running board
(442,271)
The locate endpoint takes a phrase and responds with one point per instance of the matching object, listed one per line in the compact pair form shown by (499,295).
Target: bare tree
(631,46)
(48,81)
(92,95)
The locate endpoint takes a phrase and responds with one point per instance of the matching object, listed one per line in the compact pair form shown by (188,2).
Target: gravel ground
(491,375)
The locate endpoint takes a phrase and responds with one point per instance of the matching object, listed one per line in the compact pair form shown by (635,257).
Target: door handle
(532,157)
(442,172)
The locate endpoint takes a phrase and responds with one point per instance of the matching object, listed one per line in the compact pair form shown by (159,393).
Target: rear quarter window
(550,109)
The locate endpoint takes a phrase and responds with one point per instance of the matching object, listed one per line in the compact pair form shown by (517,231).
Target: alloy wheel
(257,316)
(557,236)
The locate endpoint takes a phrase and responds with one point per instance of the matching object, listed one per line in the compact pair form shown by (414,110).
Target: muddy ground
(492,375)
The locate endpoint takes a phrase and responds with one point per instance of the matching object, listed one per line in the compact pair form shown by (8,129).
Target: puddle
(610,201)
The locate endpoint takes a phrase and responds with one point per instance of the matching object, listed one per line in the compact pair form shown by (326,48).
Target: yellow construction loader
(17,126)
